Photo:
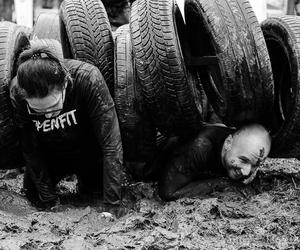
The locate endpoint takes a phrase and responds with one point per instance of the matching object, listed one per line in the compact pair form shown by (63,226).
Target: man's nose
(246,169)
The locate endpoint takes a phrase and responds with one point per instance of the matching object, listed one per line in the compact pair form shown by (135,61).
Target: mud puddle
(263,215)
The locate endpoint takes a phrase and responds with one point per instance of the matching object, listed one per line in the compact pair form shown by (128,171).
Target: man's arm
(202,187)
(178,185)
(105,124)
(182,176)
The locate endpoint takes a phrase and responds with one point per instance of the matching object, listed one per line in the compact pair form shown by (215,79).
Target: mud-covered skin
(87,128)
(192,161)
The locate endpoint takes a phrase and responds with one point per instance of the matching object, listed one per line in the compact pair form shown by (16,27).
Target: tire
(157,33)
(86,35)
(47,27)
(12,41)
(119,30)
(137,130)
(283,41)
(52,44)
(240,86)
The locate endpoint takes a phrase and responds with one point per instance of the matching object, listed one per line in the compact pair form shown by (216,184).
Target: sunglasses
(32,111)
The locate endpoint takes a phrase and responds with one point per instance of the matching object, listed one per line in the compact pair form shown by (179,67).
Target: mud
(263,215)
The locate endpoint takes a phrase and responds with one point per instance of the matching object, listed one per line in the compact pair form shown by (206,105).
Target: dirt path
(265,215)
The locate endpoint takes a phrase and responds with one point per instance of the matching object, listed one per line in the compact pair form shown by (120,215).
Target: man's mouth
(236,173)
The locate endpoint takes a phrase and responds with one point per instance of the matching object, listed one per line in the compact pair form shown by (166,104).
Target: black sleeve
(36,165)
(183,170)
(102,113)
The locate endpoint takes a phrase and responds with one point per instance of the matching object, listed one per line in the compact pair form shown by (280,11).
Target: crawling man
(216,151)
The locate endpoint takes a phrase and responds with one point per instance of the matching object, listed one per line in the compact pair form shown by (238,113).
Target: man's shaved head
(252,128)
(244,151)
(256,134)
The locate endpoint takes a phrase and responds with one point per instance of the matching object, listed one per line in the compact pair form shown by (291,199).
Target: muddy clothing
(84,138)
(191,161)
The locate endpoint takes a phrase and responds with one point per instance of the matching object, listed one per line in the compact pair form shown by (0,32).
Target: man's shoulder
(195,145)
(212,136)
(216,130)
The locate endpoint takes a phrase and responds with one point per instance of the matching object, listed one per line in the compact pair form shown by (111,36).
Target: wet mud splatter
(263,215)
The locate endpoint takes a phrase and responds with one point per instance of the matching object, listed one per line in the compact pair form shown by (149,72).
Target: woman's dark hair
(40,71)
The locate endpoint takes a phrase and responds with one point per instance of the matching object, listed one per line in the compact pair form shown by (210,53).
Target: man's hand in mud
(107,216)
(116,210)
(251,177)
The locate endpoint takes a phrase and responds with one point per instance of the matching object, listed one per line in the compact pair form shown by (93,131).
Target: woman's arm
(185,169)
(36,165)
(104,119)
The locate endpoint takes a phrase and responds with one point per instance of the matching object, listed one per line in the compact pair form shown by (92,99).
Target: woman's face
(48,106)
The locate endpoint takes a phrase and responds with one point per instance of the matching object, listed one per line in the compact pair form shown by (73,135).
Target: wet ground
(263,215)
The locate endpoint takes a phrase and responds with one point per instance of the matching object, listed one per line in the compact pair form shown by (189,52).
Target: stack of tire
(137,129)
(220,47)
(282,36)
(250,73)
(161,68)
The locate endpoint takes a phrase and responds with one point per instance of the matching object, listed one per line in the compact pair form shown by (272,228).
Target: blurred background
(25,12)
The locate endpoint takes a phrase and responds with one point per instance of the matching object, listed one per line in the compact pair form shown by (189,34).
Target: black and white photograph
(150,124)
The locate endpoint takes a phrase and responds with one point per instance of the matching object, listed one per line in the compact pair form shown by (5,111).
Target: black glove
(39,189)
(47,195)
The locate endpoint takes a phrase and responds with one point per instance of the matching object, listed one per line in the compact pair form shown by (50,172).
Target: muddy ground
(263,215)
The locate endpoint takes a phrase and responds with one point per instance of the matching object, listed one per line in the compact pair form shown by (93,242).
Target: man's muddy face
(243,155)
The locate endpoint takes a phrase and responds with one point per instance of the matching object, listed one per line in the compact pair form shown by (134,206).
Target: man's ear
(228,142)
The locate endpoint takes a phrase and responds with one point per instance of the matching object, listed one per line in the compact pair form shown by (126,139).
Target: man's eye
(244,160)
